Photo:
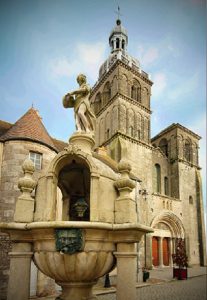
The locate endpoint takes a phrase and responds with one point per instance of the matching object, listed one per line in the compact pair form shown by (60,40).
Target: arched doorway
(167,229)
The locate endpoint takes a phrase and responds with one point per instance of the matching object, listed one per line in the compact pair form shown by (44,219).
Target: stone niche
(74,182)
(77,186)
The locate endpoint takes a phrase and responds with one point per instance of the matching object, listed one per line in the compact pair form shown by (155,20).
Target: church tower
(121,102)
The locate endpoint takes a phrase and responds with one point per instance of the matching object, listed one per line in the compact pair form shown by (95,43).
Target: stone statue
(79,99)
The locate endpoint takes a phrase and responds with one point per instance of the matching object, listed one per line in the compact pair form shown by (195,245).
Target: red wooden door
(165,249)
(155,252)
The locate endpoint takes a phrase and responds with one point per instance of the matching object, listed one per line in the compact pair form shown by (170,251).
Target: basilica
(165,168)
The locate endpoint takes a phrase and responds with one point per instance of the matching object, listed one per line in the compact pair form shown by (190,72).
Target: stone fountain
(82,235)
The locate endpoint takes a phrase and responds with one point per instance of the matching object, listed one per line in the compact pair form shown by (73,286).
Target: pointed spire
(29,127)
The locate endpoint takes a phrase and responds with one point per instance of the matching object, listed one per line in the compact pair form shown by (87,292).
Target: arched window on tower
(166,186)
(163,144)
(123,44)
(131,131)
(117,43)
(112,44)
(157,178)
(97,103)
(106,93)
(136,91)
(187,150)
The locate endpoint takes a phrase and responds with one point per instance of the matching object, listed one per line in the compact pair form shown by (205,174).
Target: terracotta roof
(4,126)
(59,145)
(29,127)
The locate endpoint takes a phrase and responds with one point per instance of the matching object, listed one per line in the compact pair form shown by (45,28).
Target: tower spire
(118,38)
(118,13)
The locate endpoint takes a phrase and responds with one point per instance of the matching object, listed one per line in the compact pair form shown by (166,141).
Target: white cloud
(160,82)
(184,87)
(62,67)
(88,58)
(150,56)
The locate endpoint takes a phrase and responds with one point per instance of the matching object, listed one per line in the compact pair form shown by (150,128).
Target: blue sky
(46,43)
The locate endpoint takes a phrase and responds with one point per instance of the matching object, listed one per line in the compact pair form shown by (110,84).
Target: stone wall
(13,155)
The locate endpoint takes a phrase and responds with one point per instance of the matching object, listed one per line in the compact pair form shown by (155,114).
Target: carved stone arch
(115,118)
(97,103)
(187,149)
(138,126)
(130,122)
(142,127)
(56,177)
(108,125)
(122,118)
(136,90)
(114,86)
(124,86)
(172,221)
(145,96)
(64,157)
(194,156)
(106,94)
(145,129)
(174,150)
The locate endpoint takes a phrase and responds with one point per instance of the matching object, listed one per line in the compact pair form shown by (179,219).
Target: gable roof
(28,127)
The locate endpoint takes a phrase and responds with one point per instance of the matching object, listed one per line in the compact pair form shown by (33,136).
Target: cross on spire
(118,12)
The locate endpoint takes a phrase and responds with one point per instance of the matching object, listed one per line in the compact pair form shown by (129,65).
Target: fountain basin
(76,271)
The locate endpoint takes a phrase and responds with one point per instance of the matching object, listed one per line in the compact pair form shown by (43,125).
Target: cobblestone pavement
(191,289)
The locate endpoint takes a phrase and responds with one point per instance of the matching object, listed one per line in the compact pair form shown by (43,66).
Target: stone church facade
(165,168)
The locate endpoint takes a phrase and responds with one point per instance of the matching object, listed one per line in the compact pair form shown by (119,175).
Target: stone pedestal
(83,141)
(19,279)
(77,290)
(126,271)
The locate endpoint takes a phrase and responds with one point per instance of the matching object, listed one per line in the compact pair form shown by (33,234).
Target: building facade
(168,193)
(165,167)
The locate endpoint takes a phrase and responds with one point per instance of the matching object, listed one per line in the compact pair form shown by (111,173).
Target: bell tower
(121,99)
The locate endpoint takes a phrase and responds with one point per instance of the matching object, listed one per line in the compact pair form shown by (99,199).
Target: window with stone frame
(136,91)
(166,186)
(37,159)
(157,178)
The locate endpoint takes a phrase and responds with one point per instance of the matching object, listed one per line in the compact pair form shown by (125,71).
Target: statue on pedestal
(79,99)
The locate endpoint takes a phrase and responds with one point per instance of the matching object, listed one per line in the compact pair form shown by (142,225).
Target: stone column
(20,264)
(160,252)
(148,251)
(170,252)
(126,271)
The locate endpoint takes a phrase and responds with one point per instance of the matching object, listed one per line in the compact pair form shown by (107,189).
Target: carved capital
(72,149)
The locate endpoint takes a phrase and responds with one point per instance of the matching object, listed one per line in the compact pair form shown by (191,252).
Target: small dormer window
(36,158)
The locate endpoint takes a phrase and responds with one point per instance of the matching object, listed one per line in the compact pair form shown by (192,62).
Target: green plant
(180,258)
